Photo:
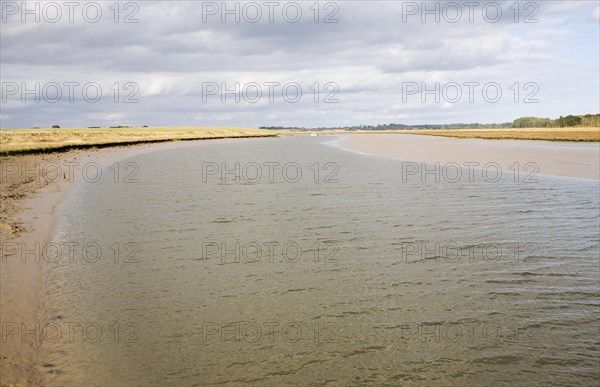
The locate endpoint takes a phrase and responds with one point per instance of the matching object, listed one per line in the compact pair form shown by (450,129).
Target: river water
(290,261)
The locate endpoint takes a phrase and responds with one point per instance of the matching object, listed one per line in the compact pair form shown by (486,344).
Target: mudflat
(567,159)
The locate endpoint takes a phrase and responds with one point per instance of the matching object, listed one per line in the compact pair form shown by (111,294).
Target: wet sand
(578,160)
(29,205)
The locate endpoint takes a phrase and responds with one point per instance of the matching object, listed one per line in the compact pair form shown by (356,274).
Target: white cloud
(595,14)
(550,33)
(563,7)
(106,116)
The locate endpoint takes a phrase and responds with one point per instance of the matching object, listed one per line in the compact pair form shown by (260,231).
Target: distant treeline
(561,122)
(475,125)
(588,120)
(396,127)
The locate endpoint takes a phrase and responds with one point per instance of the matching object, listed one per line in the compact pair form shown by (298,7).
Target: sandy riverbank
(30,199)
(579,160)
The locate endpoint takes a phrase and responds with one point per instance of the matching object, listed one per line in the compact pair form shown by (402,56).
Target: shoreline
(569,134)
(560,159)
(115,144)
(31,214)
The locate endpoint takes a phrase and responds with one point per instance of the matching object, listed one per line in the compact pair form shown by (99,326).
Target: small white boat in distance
(313,134)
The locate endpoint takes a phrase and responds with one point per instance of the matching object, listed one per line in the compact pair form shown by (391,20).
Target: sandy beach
(564,159)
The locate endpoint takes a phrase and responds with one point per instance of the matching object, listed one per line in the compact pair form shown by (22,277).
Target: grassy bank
(548,134)
(24,141)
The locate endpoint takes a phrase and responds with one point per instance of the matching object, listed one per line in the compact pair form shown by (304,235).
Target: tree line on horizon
(588,120)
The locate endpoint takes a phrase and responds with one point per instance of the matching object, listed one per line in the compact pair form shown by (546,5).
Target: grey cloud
(369,53)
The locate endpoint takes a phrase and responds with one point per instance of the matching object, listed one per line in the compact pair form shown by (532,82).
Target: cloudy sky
(175,63)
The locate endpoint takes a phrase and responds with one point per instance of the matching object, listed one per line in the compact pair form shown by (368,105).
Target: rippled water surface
(344,275)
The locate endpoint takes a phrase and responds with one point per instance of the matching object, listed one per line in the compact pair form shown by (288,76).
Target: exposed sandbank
(579,160)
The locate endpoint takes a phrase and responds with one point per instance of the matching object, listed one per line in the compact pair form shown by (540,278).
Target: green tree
(532,122)
(568,121)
